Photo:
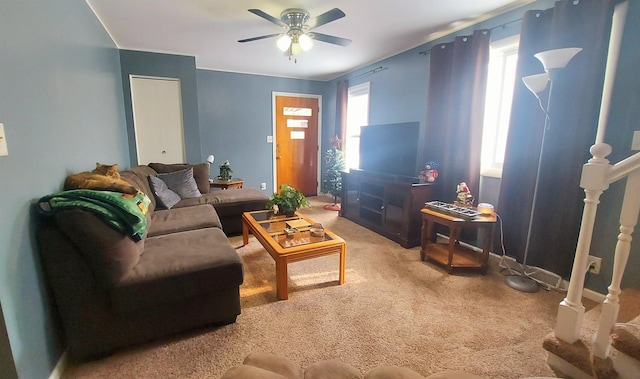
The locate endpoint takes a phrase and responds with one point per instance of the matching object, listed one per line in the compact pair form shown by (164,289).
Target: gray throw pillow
(182,183)
(166,197)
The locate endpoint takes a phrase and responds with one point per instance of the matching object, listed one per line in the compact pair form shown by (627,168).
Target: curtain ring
(464,39)
(443,46)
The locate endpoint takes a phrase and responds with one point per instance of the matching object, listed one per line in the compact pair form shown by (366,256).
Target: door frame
(133,111)
(274,94)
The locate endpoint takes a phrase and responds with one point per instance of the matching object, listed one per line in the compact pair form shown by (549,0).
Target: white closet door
(157,119)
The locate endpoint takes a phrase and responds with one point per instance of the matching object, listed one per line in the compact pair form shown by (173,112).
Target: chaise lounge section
(112,290)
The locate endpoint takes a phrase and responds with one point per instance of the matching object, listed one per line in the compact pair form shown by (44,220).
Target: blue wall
(62,108)
(166,66)
(236,117)
(62,104)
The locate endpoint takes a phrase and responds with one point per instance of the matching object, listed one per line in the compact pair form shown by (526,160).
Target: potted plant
(332,181)
(288,200)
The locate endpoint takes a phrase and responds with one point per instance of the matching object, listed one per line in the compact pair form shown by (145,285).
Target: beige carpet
(393,309)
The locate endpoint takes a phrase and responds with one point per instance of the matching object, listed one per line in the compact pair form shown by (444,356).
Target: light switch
(269,139)
(3,142)
(635,144)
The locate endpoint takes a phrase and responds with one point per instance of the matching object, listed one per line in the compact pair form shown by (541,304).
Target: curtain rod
(371,72)
(490,29)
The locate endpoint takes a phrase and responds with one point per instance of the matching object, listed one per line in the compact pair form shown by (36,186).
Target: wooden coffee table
(284,249)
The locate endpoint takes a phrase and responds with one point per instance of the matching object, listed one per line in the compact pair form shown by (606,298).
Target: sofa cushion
(200,172)
(178,266)
(250,372)
(182,183)
(165,197)
(331,369)
(183,219)
(274,363)
(110,254)
(137,176)
(392,372)
(228,198)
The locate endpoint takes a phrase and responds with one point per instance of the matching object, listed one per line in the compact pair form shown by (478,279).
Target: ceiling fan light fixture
(296,49)
(284,42)
(305,42)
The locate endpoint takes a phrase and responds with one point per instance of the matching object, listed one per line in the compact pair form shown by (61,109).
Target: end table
(453,255)
(226,184)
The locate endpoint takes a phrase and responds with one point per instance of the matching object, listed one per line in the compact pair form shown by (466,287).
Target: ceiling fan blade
(325,18)
(268,17)
(330,39)
(259,38)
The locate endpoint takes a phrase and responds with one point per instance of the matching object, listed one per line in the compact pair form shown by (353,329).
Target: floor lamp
(553,61)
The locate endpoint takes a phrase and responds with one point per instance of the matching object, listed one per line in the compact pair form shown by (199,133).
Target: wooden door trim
(273,134)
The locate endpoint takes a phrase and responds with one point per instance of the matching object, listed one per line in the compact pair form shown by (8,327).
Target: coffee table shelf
(273,238)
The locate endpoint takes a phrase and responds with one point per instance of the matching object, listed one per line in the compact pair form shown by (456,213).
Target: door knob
(164,151)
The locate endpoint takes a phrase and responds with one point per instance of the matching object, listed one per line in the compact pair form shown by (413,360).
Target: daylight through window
(500,85)
(357,116)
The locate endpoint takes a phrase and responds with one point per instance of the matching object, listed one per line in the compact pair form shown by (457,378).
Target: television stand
(386,204)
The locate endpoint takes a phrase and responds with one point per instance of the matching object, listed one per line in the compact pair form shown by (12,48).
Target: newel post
(594,181)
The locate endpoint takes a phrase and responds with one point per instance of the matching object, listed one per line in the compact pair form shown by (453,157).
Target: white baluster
(593,180)
(611,305)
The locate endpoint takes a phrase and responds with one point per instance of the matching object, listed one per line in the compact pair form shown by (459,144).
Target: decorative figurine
(464,195)
(225,171)
(430,173)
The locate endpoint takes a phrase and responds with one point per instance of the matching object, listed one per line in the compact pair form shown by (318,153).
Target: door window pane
(292,111)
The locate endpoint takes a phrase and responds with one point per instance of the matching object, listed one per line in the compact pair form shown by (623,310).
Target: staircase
(608,347)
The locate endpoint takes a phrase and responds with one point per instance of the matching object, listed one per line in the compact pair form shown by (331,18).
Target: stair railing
(597,174)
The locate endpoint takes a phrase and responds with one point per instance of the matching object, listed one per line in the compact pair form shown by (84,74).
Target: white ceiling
(210,29)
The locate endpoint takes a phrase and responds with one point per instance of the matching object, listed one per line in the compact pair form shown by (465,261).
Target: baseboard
(546,277)
(60,366)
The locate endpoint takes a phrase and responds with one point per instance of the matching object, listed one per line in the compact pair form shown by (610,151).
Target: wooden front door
(297,143)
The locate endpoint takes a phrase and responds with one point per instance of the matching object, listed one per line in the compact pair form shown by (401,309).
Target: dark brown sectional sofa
(112,291)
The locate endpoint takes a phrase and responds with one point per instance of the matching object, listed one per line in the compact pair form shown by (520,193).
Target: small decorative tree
(332,181)
(225,171)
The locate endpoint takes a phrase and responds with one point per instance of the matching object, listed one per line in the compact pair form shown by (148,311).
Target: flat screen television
(390,148)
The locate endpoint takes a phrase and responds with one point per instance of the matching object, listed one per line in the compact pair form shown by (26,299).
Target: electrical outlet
(263,186)
(594,266)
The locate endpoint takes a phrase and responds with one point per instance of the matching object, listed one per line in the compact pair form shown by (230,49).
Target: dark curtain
(455,110)
(573,115)
(342,98)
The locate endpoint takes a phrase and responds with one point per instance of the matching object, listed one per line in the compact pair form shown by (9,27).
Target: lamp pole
(553,61)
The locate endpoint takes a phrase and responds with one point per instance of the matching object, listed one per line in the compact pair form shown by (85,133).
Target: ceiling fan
(298,24)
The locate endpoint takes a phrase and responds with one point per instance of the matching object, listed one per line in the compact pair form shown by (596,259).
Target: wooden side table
(452,254)
(226,184)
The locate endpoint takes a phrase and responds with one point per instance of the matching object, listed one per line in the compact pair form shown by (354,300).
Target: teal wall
(65,106)
(236,117)
(164,66)
(62,108)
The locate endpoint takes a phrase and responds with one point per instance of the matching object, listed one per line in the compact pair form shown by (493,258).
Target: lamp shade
(296,49)
(210,159)
(557,58)
(305,42)
(283,42)
(536,83)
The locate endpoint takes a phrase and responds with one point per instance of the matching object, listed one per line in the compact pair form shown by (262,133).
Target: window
(357,116)
(500,84)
